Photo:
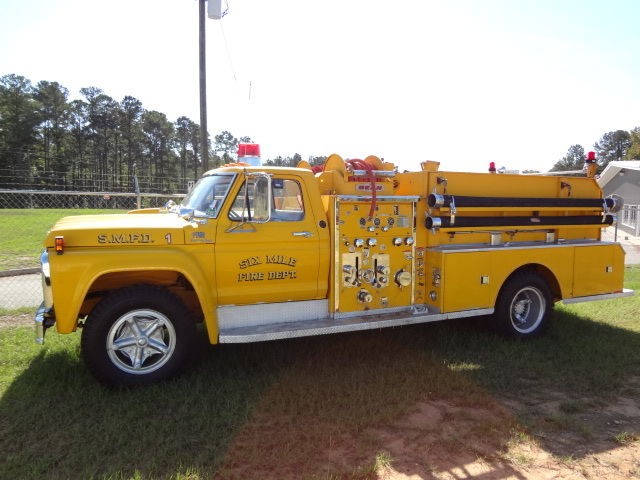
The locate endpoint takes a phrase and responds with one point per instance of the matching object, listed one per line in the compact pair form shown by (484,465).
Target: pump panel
(375,250)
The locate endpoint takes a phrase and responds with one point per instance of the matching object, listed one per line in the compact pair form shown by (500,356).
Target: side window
(287,203)
(251,205)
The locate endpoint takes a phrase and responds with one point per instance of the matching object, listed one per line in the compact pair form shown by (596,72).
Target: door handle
(302,234)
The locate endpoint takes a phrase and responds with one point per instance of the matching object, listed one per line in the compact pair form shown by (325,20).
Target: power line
(226,47)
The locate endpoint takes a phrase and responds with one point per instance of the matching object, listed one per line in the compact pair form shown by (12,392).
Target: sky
(462,82)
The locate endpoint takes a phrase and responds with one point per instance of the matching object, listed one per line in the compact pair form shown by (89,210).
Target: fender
(82,268)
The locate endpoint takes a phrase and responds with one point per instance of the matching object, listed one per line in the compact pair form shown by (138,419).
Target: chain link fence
(21,199)
(25,218)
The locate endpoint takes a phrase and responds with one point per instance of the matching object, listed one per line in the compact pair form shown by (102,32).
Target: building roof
(615,168)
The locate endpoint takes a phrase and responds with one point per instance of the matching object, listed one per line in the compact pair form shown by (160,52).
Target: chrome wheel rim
(527,309)
(141,341)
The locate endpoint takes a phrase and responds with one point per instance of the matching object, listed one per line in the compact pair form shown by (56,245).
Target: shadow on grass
(56,421)
(425,398)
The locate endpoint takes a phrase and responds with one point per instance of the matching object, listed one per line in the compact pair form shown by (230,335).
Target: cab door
(266,258)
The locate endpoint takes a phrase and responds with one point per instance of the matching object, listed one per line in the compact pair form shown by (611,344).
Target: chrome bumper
(44,319)
(45,316)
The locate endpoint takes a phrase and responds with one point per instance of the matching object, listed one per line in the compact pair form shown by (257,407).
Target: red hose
(357,164)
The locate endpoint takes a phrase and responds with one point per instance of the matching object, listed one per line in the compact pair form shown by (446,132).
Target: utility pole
(204,147)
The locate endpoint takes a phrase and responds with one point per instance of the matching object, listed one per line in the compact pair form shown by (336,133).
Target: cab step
(305,328)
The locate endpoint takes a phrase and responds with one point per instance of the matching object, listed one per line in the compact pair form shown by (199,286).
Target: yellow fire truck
(264,253)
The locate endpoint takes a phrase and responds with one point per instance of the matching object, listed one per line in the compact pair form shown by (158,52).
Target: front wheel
(524,306)
(137,336)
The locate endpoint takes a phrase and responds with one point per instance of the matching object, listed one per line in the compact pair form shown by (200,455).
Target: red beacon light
(590,167)
(492,167)
(249,153)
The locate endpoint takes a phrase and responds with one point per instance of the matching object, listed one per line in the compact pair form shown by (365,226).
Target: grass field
(315,407)
(22,233)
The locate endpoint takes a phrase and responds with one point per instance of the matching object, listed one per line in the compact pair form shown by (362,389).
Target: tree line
(612,146)
(96,143)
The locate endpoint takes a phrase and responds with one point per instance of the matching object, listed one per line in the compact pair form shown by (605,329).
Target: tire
(524,306)
(137,336)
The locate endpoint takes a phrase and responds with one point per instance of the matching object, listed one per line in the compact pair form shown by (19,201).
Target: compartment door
(466,278)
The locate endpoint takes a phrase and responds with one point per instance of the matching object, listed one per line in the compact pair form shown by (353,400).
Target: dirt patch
(441,441)
(445,441)
(23,320)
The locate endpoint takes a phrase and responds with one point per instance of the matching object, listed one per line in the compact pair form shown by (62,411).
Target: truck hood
(126,230)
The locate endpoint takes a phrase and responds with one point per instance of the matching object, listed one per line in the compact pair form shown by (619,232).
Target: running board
(306,328)
(606,296)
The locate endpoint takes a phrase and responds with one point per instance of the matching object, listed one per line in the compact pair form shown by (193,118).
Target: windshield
(208,194)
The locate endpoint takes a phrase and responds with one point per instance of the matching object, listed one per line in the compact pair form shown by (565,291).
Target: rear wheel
(524,306)
(137,336)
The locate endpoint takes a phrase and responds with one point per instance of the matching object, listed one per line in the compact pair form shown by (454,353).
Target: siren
(590,166)
(249,153)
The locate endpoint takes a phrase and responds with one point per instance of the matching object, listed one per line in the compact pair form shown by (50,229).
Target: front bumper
(44,319)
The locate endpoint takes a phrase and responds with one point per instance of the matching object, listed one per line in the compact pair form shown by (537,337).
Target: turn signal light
(59,244)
